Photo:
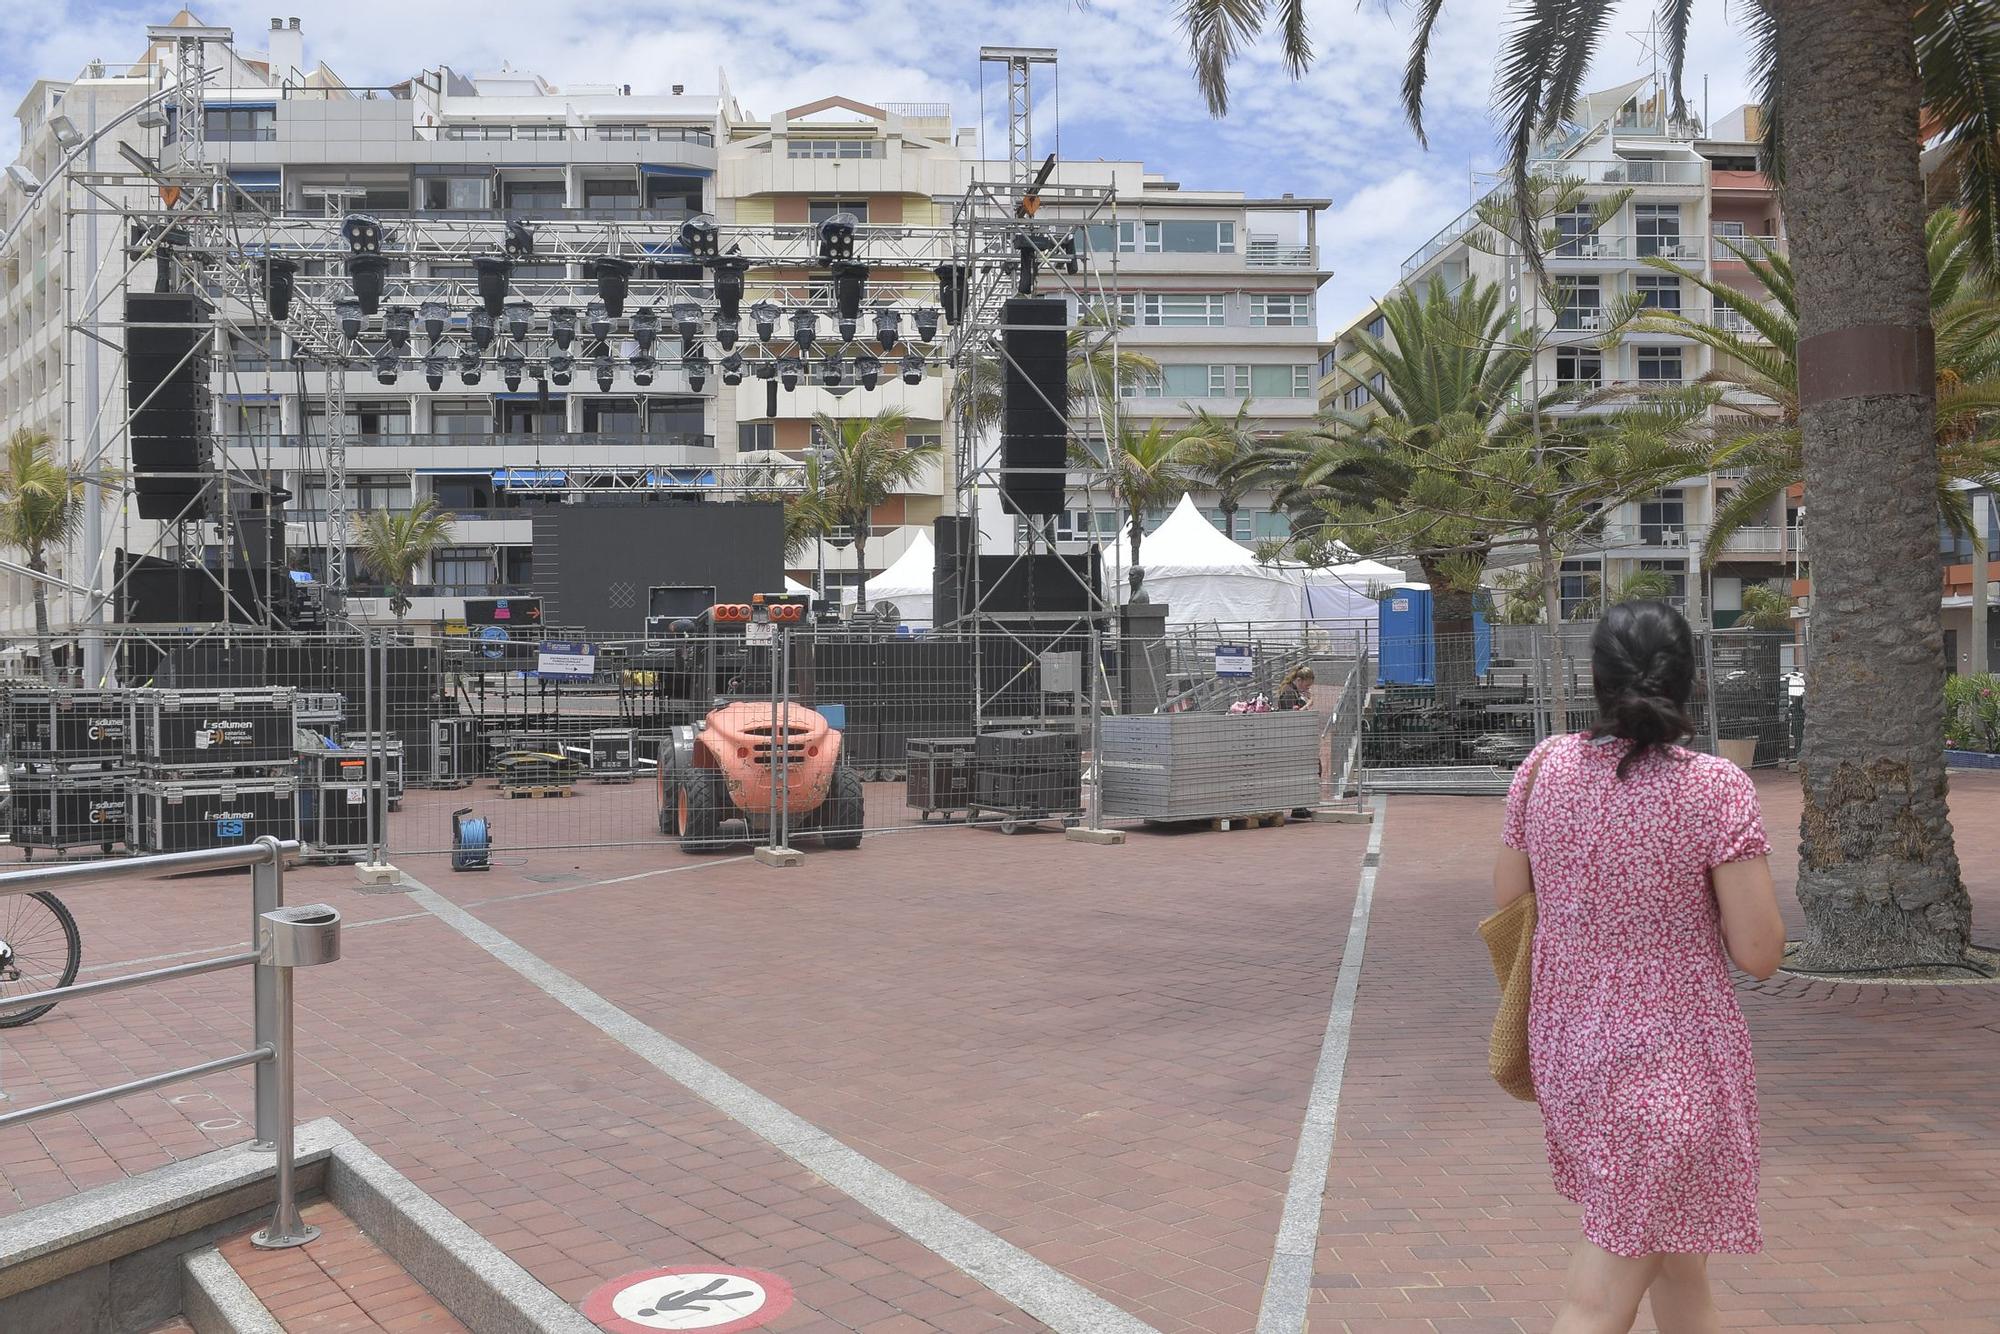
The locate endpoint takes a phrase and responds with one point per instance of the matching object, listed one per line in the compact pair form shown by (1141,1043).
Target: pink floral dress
(1640,1053)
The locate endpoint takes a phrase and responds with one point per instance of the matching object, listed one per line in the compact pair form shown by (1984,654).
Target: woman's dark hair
(1642,664)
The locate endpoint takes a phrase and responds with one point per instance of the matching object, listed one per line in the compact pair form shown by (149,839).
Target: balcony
(1623,247)
(1732,249)
(1755,542)
(1267,254)
(484,442)
(1625,171)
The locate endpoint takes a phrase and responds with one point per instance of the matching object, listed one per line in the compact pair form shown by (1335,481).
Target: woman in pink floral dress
(1648,863)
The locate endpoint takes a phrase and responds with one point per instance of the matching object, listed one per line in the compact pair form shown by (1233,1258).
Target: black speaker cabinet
(952,539)
(166,358)
(1034,405)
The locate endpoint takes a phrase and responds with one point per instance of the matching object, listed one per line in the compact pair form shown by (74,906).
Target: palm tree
(1764,608)
(1219,452)
(41,507)
(1146,472)
(393,545)
(1846,83)
(1097,369)
(1762,360)
(868,459)
(1523,602)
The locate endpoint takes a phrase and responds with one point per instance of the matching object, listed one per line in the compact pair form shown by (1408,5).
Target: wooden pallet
(541,790)
(1274,820)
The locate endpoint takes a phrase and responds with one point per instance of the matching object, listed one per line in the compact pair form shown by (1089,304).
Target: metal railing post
(267,894)
(286,1228)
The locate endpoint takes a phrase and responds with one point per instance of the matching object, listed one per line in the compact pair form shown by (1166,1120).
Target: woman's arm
(1512,876)
(1752,930)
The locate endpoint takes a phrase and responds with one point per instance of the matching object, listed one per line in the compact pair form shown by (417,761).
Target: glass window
(1379,326)
(1574,233)
(455,192)
(1723,227)
(1185,381)
(1663,519)
(462,567)
(239,125)
(1355,398)
(381,491)
(611,416)
(1229,381)
(1183,309)
(478,132)
(1658,291)
(756,435)
(256,350)
(674,194)
(1576,584)
(833,148)
(1378,381)
(250,422)
(461,416)
(463,492)
(542,132)
(819,210)
(1658,227)
(1660,365)
(1582,304)
(680,418)
(611,193)
(1579,366)
(531,416)
(1280,308)
(533,194)
(1677,580)
(1192,238)
(365,419)
(1276,381)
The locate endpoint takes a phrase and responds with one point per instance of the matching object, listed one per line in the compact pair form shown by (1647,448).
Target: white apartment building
(1693,192)
(1217,286)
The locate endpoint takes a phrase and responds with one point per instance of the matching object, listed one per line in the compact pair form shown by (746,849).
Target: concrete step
(343,1281)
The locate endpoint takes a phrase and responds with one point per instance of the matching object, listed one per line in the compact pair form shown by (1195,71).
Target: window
(1243,529)
(461,416)
(1378,382)
(531,416)
(239,125)
(673,194)
(1378,327)
(1677,581)
(1327,361)
(1184,381)
(462,568)
(1077,525)
(1279,308)
(464,493)
(1281,381)
(1723,227)
(1579,366)
(256,350)
(1659,229)
(1192,238)
(1575,233)
(546,133)
(252,423)
(517,567)
(1181,309)
(1582,304)
(1659,365)
(478,132)
(1658,291)
(1355,398)
(1663,520)
(676,421)
(923,440)
(454,192)
(614,194)
(1576,584)
(833,148)
(819,210)
(367,422)
(611,416)
(756,436)
(1955,549)
(1270,526)
(381,491)
(533,194)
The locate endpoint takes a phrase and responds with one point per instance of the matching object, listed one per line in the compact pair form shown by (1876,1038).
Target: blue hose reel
(471,842)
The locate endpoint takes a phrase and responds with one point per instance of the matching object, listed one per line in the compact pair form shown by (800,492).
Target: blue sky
(1122,89)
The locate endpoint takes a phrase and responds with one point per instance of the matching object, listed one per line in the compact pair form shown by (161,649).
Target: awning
(653,169)
(530,476)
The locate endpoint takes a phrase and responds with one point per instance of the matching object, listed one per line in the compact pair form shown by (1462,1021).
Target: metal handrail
(271,1000)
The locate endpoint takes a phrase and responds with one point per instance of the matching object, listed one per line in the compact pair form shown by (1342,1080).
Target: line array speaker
(167,386)
(1034,405)
(952,540)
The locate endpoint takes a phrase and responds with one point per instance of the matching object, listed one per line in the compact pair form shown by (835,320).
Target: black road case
(199,811)
(214,728)
(60,811)
(939,776)
(56,726)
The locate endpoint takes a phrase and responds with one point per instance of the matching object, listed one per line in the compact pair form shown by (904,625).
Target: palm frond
(1958,59)
(1216,30)
(1674,18)
(1417,69)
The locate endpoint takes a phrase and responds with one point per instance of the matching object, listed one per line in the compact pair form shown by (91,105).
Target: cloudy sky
(1122,89)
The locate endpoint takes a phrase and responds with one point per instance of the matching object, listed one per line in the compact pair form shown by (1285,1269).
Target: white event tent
(1205,578)
(907,582)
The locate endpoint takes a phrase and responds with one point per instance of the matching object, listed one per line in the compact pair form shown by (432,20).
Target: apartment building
(1691,195)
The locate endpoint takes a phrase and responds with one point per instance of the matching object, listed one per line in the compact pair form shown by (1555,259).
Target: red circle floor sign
(711,1297)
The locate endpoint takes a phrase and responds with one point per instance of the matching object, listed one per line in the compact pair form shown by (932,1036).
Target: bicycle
(40,949)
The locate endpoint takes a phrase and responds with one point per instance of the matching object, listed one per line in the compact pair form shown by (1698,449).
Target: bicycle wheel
(39,949)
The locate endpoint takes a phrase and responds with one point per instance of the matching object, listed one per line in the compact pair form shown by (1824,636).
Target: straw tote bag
(1510,938)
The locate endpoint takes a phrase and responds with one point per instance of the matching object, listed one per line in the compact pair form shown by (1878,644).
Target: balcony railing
(1732,249)
(1443,241)
(1626,171)
(1755,542)
(1624,246)
(478,442)
(1271,255)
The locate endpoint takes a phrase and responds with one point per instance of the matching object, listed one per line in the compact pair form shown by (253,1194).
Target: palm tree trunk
(1552,615)
(44,642)
(861,564)
(1878,874)
(1451,629)
(1229,508)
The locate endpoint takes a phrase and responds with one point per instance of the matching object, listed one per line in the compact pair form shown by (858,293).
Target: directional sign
(1232,660)
(710,1297)
(566,660)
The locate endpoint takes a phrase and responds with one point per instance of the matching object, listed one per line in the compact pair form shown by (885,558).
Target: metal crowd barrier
(285,939)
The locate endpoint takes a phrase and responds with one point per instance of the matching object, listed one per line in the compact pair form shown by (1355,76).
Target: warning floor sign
(715,1298)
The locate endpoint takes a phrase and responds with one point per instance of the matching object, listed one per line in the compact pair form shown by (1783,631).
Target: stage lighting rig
(386,365)
(805,328)
(469,366)
(687,323)
(696,367)
(765,369)
(642,369)
(561,364)
(493,271)
(645,328)
(597,320)
(927,324)
(830,371)
(434,315)
(511,366)
(913,368)
(836,237)
(562,327)
(725,332)
(602,366)
(850,285)
(396,328)
(348,313)
(520,243)
(732,368)
(614,277)
(868,370)
(365,265)
(479,327)
(764,315)
(789,369)
(520,318)
(729,271)
(888,327)
(434,369)
(279,278)
(703,241)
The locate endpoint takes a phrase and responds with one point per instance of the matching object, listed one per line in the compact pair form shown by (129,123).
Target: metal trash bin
(300,937)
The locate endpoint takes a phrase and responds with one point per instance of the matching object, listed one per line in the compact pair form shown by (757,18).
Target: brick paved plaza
(1082,1071)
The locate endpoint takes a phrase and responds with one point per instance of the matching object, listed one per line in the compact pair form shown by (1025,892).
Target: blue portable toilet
(1408,644)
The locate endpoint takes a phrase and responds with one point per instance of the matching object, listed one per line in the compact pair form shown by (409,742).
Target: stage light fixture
(805,327)
(732,368)
(729,271)
(434,370)
(788,372)
(363,233)
(687,322)
(701,238)
(520,318)
(888,327)
(386,366)
(562,327)
(470,367)
(953,284)
(726,328)
(913,368)
(927,324)
(765,369)
(349,315)
(868,370)
(560,366)
(645,328)
(642,369)
(764,315)
(696,367)
(396,328)
(365,265)
(493,271)
(520,241)
(434,315)
(479,326)
(597,320)
(602,366)
(850,285)
(614,277)
(511,366)
(831,370)
(836,237)
(279,278)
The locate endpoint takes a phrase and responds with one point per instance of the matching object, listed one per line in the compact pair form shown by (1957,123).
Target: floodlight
(560,366)
(365,265)
(831,370)
(701,238)
(434,369)
(732,368)
(868,370)
(687,322)
(520,241)
(788,372)
(696,366)
(386,364)
(913,368)
(645,328)
(349,315)
(22,177)
(850,285)
(805,327)
(363,233)
(396,328)
(65,131)
(725,331)
(888,327)
(764,369)
(765,316)
(511,364)
(927,324)
(729,271)
(642,369)
(597,320)
(152,118)
(480,326)
(434,315)
(603,368)
(469,366)
(614,276)
(953,281)
(562,327)
(279,276)
(493,271)
(520,317)
(836,237)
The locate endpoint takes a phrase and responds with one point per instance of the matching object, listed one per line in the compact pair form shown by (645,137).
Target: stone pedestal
(1143,659)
